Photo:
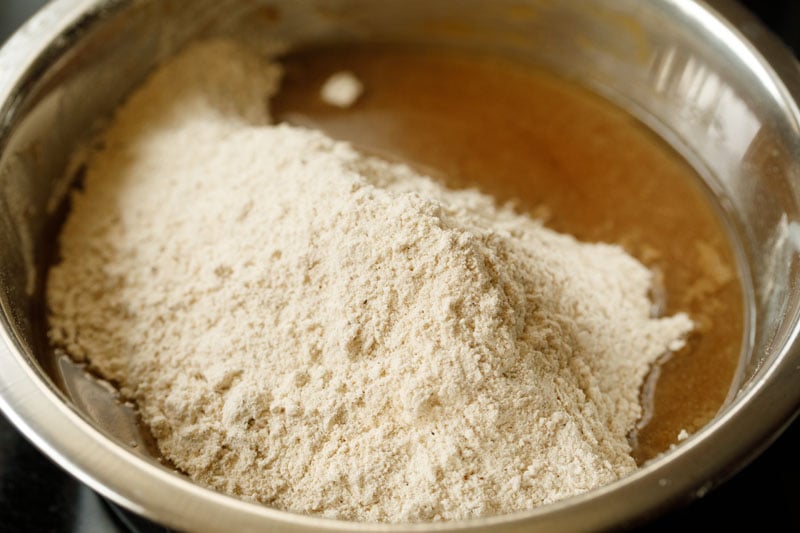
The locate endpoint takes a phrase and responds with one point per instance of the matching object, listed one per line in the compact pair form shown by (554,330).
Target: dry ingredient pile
(329,333)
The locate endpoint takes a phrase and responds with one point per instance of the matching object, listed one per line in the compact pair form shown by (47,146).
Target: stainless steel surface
(728,104)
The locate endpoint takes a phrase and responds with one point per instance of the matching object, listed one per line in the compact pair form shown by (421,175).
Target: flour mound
(329,333)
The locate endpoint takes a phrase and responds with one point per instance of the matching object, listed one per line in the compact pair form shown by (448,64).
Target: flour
(329,333)
(342,89)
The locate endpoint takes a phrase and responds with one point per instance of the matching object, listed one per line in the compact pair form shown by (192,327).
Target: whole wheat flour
(329,333)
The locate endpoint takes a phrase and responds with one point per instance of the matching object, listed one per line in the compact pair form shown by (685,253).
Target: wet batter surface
(564,155)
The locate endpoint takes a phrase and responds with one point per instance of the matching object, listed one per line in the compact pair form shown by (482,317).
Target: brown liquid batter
(563,154)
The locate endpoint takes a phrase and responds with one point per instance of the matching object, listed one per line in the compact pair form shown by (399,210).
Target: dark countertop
(36,495)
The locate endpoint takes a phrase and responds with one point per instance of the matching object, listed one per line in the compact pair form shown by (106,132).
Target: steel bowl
(704,75)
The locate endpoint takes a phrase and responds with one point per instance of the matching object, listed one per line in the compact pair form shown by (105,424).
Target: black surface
(36,495)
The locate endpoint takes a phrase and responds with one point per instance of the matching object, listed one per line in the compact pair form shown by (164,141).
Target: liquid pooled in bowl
(333,333)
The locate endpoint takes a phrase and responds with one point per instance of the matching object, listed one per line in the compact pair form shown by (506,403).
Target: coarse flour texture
(325,332)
